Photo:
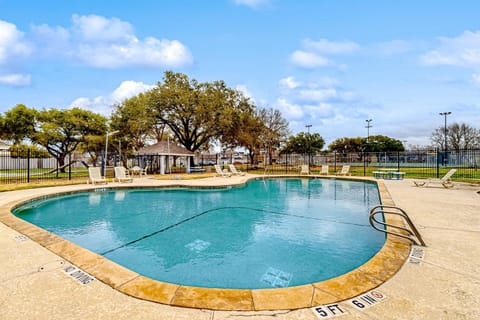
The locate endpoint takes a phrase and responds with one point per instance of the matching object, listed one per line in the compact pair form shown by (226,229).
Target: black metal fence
(415,163)
(23,168)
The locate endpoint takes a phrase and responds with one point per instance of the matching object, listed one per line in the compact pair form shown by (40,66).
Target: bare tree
(459,136)
(276,130)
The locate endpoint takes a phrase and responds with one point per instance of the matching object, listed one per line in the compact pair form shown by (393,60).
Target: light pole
(368,126)
(106,150)
(445,114)
(308,126)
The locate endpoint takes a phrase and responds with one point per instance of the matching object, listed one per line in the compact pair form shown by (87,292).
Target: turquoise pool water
(268,233)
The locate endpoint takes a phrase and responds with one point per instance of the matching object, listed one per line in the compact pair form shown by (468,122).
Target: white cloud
(314,101)
(314,53)
(289,110)
(103,104)
(93,28)
(128,89)
(15,80)
(288,82)
(243,89)
(309,59)
(52,40)
(251,3)
(476,79)
(317,94)
(463,50)
(326,46)
(320,111)
(12,43)
(109,43)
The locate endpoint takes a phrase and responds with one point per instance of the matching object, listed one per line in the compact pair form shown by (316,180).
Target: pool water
(267,233)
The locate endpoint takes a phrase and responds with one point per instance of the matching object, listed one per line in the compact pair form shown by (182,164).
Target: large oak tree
(18,123)
(196,113)
(60,131)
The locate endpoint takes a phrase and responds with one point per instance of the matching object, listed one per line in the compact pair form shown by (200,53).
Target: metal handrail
(265,171)
(412,233)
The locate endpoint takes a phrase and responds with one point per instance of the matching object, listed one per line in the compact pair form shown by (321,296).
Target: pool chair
(221,173)
(121,175)
(444,181)
(234,170)
(95,176)
(304,169)
(345,171)
(324,170)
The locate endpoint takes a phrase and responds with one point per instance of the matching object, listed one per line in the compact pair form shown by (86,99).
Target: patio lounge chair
(234,170)
(121,174)
(221,173)
(444,181)
(95,176)
(324,170)
(345,171)
(304,169)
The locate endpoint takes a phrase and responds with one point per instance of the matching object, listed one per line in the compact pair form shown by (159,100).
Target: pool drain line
(159,231)
(218,209)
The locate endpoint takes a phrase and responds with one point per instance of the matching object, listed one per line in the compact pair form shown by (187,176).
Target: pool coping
(370,275)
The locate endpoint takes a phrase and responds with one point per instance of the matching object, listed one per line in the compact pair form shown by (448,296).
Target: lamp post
(445,114)
(308,126)
(106,150)
(368,126)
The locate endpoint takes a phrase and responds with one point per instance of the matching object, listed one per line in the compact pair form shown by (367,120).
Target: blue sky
(331,64)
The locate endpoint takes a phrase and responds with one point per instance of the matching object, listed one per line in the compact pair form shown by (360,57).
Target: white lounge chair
(121,175)
(221,173)
(324,170)
(345,171)
(234,170)
(95,176)
(444,181)
(304,169)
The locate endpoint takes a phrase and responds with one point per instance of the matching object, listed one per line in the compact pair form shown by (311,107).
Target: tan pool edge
(368,276)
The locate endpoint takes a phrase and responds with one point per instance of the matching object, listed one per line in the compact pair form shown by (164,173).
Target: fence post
(70,166)
(28,165)
(364,156)
(335,161)
(438,161)
(398,160)
(103,170)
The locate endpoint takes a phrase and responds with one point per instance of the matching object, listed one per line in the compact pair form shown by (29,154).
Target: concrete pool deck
(444,285)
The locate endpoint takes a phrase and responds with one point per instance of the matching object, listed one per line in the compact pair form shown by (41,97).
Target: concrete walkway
(444,285)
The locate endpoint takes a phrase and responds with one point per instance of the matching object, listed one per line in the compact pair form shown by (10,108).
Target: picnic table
(389,174)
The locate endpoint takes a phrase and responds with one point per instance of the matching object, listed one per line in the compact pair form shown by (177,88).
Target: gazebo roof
(163,148)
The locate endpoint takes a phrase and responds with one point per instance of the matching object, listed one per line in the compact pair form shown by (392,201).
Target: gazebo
(162,155)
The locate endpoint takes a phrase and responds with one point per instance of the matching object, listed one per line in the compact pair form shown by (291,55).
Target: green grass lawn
(80,176)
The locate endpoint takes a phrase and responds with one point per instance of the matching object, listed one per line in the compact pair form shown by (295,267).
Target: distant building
(4,147)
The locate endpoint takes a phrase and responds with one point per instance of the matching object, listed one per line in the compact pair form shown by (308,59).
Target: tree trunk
(61,163)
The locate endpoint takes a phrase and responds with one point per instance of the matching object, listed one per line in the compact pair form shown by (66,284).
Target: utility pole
(308,126)
(368,126)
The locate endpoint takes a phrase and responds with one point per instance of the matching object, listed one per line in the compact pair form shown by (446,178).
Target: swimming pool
(268,233)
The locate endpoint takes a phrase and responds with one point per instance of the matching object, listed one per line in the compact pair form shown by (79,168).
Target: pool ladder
(411,233)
